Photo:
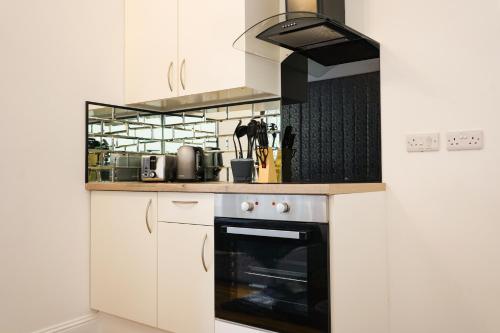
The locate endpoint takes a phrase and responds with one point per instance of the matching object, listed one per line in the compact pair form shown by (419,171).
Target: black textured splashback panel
(338,131)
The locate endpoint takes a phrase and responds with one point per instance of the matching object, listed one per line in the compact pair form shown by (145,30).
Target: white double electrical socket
(422,142)
(465,140)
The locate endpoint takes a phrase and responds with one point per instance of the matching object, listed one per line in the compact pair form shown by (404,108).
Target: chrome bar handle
(266,233)
(147,216)
(183,65)
(170,75)
(183,202)
(203,254)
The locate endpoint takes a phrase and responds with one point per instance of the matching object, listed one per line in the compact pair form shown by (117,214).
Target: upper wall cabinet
(150,50)
(181,51)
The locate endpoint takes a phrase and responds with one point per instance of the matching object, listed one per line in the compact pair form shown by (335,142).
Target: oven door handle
(272,233)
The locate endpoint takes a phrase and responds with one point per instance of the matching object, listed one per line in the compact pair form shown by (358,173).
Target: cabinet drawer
(192,208)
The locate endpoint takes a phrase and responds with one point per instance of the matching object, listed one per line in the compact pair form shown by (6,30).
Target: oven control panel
(281,207)
(297,208)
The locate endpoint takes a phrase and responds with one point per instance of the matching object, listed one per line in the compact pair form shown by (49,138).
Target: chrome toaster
(158,168)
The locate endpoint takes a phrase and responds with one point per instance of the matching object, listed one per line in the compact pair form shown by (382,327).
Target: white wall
(440,71)
(54,55)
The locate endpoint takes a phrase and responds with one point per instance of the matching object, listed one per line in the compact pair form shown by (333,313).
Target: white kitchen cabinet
(150,50)
(207,60)
(358,261)
(197,37)
(185,278)
(123,272)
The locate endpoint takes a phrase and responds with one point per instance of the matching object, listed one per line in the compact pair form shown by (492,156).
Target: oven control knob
(282,207)
(247,206)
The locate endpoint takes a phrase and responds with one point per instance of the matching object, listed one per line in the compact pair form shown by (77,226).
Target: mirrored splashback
(117,136)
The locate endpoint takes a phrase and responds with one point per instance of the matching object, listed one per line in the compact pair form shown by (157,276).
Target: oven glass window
(272,275)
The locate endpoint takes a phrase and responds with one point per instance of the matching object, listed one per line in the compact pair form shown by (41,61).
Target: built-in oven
(271,262)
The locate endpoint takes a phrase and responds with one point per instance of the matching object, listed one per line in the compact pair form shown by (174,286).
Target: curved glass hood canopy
(315,36)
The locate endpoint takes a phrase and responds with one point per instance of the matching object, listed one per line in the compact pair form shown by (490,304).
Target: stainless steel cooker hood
(313,28)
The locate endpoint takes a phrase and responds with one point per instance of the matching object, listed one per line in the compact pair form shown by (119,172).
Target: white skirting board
(83,324)
(103,323)
(99,322)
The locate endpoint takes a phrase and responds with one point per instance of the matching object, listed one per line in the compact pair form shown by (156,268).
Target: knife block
(277,163)
(268,174)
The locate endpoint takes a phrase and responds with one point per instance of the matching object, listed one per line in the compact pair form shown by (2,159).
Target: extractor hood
(313,28)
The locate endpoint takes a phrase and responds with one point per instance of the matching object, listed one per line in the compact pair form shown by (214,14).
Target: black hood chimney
(334,9)
(314,28)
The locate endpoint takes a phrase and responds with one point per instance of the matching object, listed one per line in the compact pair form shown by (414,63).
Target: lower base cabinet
(161,274)
(123,256)
(185,278)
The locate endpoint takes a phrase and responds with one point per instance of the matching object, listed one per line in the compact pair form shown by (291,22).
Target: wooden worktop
(223,187)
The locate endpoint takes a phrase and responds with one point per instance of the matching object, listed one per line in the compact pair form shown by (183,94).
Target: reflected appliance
(158,168)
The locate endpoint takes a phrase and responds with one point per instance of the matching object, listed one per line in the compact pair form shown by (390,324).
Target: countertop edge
(220,187)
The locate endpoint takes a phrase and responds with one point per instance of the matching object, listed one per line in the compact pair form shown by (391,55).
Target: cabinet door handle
(203,254)
(182,202)
(170,75)
(147,216)
(183,65)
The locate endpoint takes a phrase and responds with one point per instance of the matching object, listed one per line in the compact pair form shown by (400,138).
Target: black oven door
(272,275)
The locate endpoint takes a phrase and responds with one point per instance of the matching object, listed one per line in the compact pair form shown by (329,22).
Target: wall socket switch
(465,140)
(422,142)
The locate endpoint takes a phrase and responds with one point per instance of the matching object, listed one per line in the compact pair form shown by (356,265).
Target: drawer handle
(182,202)
(203,254)
(147,216)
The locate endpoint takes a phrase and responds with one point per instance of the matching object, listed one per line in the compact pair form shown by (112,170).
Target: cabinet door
(150,50)
(185,278)
(124,265)
(207,60)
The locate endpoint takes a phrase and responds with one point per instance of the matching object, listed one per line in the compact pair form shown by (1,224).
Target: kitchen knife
(286,137)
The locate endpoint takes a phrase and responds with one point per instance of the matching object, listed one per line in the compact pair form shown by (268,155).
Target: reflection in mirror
(117,137)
